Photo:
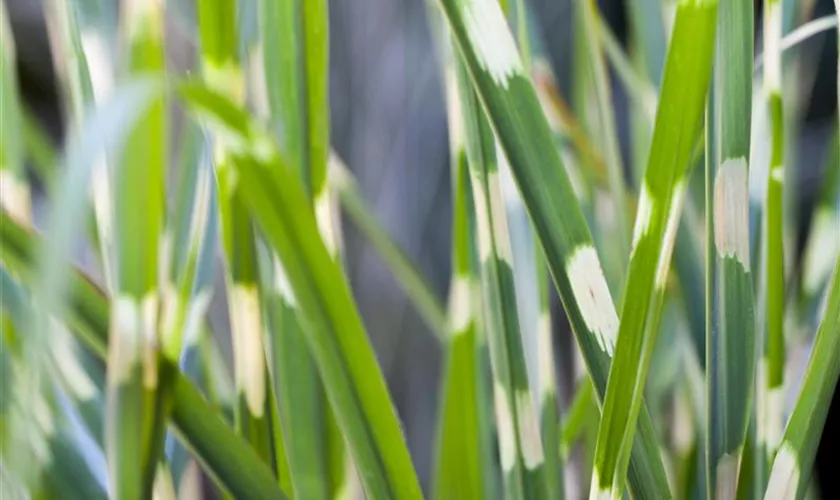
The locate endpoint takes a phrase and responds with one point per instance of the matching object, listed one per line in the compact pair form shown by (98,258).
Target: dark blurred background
(389,125)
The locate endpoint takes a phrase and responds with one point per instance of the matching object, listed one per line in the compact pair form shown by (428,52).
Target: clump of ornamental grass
(674,266)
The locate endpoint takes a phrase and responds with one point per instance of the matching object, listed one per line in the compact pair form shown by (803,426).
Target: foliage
(112,383)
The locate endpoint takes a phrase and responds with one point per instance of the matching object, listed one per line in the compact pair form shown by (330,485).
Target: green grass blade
(550,428)
(460,464)
(547,382)
(222,70)
(791,471)
(230,461)
(679,116)
(531,282)
(792,466)
(514,111)
(771,364)
(575,419)
(730,304)
(520,445)
(458,469)
(295,62)
(687,261)
(135,410)
(334,332)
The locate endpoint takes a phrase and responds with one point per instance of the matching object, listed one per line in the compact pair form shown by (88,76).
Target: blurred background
(389,126)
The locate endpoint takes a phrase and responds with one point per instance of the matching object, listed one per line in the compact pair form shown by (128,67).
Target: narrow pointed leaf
(679,116)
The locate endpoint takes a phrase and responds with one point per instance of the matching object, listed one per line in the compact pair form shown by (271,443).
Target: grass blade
(790,475)
(190,238)
(458,468)
(513,109)
(687,74)
(687,261)
(295,63)
(229,460)
(222,71)
(190,246)
(136,412)
(729,304)
(547,372)
(532,284)
(520,445)
(771,365)
(550,428)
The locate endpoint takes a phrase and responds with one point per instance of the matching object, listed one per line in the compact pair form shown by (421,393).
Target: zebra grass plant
(113,385)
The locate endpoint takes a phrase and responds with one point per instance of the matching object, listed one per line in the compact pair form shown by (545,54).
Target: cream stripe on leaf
(687,74)
(514,112)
